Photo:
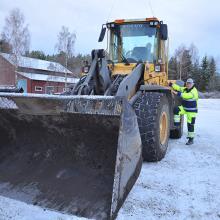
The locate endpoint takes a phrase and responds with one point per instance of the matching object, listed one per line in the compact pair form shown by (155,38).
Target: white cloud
(189,21)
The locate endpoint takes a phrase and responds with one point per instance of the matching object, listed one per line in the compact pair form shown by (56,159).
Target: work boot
(190,141)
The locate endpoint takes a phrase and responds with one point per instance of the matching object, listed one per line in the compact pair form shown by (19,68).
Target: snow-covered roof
(7,87)
(27,62)
(50,78)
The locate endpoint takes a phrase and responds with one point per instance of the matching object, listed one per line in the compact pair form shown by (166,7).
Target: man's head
(189,83)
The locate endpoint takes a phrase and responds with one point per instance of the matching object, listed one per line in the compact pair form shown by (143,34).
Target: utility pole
(181,60)
(65,71)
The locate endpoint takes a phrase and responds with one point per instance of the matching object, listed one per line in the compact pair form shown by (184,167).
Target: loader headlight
(157,68)
(153,23)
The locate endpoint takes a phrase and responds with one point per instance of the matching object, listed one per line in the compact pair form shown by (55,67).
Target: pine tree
(212,69)
(36,54)
(205,74)
(196,74)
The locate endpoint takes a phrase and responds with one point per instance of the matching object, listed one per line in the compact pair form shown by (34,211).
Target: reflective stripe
(195,110)
(190,100)
(191,134)
(190,109)
(176,118)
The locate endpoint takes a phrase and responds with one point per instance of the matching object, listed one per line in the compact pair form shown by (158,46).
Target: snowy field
(184,185)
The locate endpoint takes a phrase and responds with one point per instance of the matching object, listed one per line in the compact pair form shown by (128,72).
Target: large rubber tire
(177,132)
(150,107)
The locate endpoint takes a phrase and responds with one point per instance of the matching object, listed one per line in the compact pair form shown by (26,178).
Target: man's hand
(174,92)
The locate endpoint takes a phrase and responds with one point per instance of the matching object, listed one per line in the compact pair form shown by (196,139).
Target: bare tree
(16,34)
(65,46)
(183,56)
(194,52)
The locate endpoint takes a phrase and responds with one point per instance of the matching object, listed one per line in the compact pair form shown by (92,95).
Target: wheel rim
(163,128)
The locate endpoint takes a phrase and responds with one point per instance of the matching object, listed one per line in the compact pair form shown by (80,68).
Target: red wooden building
(34,75)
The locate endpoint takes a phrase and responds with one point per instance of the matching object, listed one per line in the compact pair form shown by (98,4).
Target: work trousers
(191,117)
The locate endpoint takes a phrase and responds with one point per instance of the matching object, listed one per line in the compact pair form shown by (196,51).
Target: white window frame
(38,88)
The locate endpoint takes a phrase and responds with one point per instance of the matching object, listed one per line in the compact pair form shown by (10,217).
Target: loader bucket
(79,155)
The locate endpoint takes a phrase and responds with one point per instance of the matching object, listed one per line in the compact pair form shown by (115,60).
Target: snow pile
(184,185)
(210,95)
(6,103)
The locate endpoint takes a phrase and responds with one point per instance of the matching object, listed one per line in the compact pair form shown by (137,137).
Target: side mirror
(102,34)
(163,31)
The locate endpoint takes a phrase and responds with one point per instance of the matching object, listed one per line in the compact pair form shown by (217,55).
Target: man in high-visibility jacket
(189,107)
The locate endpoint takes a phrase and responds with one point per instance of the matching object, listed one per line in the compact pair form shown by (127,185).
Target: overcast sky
(189,21)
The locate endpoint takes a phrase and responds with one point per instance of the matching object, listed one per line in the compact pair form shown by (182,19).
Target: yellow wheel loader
(81,152)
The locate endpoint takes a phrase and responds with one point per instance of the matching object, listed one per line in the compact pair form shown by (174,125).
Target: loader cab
(133,41)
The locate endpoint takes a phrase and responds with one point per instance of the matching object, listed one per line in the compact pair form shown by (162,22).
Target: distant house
(34,75)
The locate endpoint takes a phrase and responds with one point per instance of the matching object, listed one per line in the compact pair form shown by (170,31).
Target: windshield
(135,42)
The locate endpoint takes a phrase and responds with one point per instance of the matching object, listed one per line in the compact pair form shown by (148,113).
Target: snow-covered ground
(184,185)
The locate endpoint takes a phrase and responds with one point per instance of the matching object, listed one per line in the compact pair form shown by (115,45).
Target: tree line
(185,62)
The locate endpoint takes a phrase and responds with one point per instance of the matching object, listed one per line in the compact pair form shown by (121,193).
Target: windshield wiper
(124,59)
